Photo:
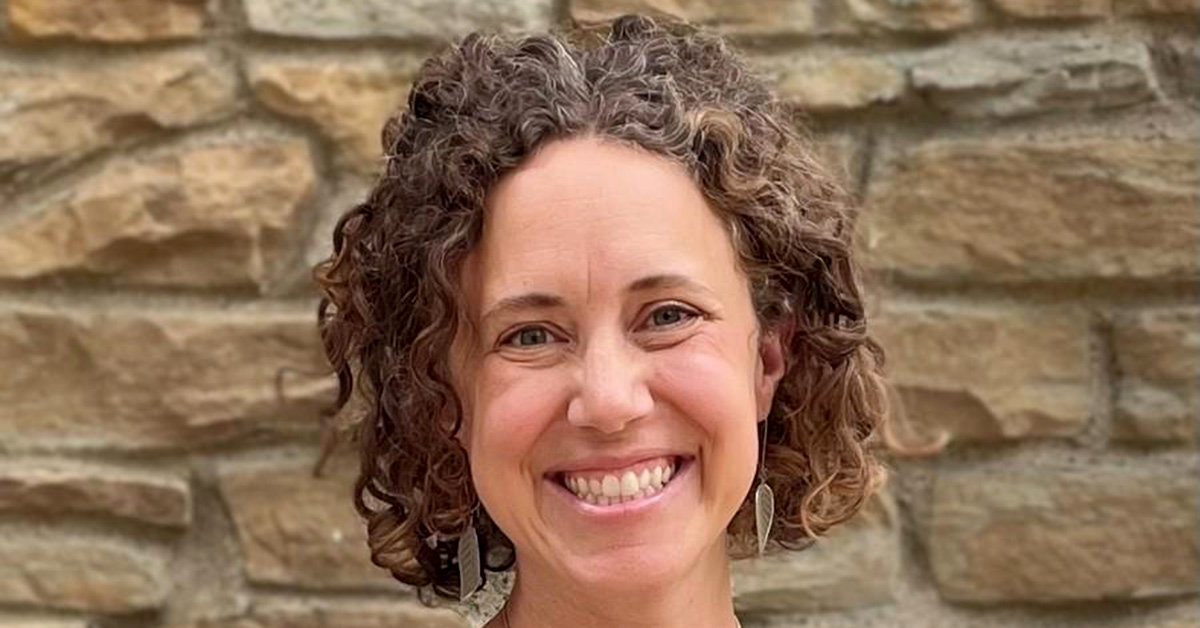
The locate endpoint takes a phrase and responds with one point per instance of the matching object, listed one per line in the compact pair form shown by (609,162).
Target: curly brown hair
(391,302)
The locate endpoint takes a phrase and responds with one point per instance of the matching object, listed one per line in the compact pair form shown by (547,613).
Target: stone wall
(170,168)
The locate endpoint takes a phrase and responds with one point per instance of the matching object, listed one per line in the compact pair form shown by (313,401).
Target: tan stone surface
(299,530)
(829,83)
(1153,7)
(1022,74)
(132,379)
(107,20)
(214,215)
(83,573)
(50,487)
(57,111)
(348,100)
(912,15)
(757,17)
(856,565)
(1158,367)
(1058,534)
(42,622)
(1055,8)
(1008,210)
(328,614)
(842,157)
(988,374)
(400,19)
(1177,58)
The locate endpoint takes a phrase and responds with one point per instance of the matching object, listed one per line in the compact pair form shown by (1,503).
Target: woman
(589,277)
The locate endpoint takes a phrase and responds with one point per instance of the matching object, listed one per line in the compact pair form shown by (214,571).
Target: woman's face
(613,334)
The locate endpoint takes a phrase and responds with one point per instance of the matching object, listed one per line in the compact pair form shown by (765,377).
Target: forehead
(590,212)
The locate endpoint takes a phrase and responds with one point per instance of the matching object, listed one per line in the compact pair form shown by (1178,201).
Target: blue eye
(528,337)
(671,315)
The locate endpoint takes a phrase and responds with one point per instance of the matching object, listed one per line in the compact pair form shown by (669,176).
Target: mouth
(633,483)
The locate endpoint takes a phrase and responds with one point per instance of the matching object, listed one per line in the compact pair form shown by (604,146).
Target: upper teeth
(639,481)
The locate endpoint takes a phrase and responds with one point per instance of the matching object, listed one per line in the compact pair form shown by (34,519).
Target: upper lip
(597,463)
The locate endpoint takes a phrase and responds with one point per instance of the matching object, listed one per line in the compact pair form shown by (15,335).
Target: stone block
(822,83)
(347,100)
(103,575)
(131,379)
(1158,367)
(218,215)
(855,566)
(1017,75)
(52,487)
(403,19)
(62,111)
(1006,210)
(299,530)
(1055,8)
(1156,7)
(748,17)
(931,16)
(1065,534)
(107,20)
(986,375)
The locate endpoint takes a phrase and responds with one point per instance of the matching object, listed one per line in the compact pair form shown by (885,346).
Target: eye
(528,337)
(669,315)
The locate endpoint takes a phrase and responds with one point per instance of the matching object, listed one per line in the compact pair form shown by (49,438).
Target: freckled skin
(607,371)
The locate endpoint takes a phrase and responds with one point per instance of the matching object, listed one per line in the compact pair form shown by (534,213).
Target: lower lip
(624,510)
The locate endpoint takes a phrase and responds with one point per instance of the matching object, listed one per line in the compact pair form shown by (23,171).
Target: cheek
(711,387)
(512,408)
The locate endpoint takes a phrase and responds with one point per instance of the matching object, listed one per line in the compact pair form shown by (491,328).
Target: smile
(629,484)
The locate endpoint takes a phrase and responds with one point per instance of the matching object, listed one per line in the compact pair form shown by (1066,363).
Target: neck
(701,598)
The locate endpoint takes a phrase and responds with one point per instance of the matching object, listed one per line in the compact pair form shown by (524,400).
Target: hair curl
(476,110)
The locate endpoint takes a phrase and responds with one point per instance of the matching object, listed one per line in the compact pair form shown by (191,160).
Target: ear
(770,367)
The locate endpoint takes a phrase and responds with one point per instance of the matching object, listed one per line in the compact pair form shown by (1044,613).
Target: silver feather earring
(764,499)
(469,577)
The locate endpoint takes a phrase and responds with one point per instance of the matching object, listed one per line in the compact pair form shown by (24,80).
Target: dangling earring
(764,499)
(469,577)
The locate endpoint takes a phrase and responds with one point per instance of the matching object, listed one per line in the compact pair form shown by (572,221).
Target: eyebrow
(546,301)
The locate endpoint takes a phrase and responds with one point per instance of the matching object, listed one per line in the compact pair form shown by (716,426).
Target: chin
(634,567)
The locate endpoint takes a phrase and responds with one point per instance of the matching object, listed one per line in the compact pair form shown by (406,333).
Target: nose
(612,389)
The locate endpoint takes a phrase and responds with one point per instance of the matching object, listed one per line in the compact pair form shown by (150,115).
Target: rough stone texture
(214,215)
(51,487)
(842,156)
(347,99)
(855,566)
(136,379)
(1156,7)
(299,530)
(1057,534)
(320,242)
(1177,58)
(752,17)
(106,20)
(408,613)
(28,621)
(1055,8)
(91,574)
(832,83)
(60,112)
(1088,207)
(432,19)
(910,15)
(1158,367)
(1012,75)
(988,374)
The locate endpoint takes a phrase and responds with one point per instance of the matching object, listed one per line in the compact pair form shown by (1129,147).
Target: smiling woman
(589,279)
